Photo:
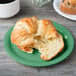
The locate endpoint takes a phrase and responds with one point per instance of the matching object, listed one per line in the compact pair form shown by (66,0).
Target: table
(9,67)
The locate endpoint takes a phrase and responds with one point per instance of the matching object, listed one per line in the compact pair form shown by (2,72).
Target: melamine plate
(34,59)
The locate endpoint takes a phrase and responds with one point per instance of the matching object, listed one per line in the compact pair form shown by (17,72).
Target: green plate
(34,59)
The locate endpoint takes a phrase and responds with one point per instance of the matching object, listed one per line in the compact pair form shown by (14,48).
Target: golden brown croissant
(30,33)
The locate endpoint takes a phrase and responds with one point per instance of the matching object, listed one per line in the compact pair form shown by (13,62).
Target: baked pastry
(30,33)
(68,6)
(51,42)
(23,33)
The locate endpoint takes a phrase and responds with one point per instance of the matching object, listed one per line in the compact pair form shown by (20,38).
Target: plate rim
(19,61)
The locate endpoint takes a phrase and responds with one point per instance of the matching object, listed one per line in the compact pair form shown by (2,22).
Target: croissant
(68,6)
(30,33)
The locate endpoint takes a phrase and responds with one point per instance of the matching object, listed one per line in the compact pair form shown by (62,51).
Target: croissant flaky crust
(30,33)
(68,6)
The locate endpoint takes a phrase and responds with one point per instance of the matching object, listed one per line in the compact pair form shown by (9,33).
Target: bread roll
(68,6)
